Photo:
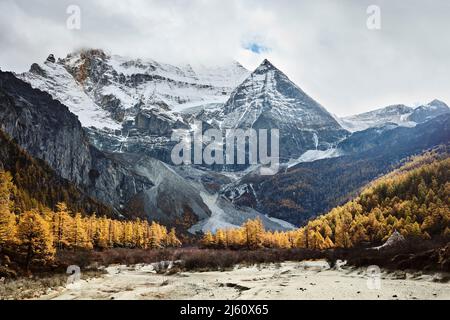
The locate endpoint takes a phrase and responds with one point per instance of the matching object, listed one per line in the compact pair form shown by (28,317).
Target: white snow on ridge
(179,87)
(356,125)
(121,84)
(228,75)
(62,87)
(397,114)
(400,115)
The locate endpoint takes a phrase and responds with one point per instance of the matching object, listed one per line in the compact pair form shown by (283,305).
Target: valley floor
(288,280)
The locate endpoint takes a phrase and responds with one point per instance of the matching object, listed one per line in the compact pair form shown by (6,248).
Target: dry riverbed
(288,280)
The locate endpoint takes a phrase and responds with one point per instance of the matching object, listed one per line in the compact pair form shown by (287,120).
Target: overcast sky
(324,46)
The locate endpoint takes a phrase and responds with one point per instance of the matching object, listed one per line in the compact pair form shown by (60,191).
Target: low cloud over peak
(324,47)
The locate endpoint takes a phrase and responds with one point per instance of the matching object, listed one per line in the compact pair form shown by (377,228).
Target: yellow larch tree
(128,234)
(7,218)
(62,225)
(101,233)
(79,235)
(220,238)
(208,239)
(172,239)
(253,233)
(35,239)
(156,236)
(139,228)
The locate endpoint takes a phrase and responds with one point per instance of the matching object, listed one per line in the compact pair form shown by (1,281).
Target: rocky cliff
(48,131)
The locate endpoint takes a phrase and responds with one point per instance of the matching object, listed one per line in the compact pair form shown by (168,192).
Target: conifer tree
(62,225)
(7,218)
(173,241)
(79,237)
(35,240)
(208,239)
(253,231)
(328,244)
(101,233)
(220,238)
(156,236)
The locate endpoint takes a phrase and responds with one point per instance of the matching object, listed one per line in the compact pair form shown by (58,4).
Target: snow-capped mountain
(54,78)
(129,108)
(105,90)
(132,105)
(429,111)
(112,98)
(400,115)
(130,184)
(267,99)
(393,114)
(311,187)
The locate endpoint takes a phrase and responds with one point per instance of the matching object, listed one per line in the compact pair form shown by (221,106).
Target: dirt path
(290,280)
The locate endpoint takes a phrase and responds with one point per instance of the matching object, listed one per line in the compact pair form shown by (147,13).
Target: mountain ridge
(265,99)
(399,114)
(47,130)
(268,99)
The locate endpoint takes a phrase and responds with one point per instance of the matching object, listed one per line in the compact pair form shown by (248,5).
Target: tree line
(414,200)
(35,235)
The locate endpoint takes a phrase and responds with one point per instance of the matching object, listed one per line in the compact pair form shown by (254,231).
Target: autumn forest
(413,200)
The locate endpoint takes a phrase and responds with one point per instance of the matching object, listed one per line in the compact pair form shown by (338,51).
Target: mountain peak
(51,58)
(88,53)
(266,62)
(268,99)
(265,66)
(438,103)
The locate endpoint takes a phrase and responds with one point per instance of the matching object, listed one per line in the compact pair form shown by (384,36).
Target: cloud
(323,46)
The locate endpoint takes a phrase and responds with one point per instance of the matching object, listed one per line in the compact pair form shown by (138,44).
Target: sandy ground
(289,280)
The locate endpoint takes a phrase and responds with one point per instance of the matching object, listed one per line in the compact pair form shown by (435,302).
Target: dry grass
(92,259)
(191,258)
(35,286)
(414,254)
(411,255)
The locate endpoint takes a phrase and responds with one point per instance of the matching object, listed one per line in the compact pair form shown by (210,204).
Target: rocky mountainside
(310,188)
(429,111)
(267,99)
(397,114)
(122,87)
(48,131)
(132,105)
(134,185)
(115,143)
(37,182)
